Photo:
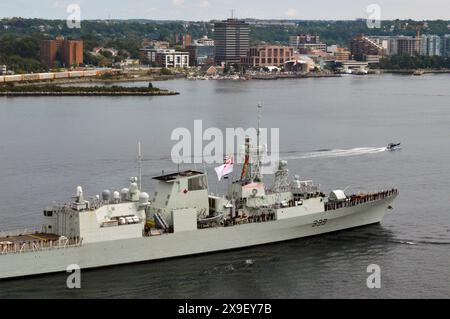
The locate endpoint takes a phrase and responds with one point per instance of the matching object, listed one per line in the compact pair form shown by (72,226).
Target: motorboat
(393,146)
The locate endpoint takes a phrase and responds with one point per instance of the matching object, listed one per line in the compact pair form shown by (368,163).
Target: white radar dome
(143,198)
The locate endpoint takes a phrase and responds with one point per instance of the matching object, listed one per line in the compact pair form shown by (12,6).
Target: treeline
(406,62)
(21,53)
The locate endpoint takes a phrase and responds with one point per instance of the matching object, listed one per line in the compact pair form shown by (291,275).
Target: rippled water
(331,130)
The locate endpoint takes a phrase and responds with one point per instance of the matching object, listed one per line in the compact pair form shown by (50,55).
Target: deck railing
(34,246)
(355,200)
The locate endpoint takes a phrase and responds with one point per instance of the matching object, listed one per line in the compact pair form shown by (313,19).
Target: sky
(204,10)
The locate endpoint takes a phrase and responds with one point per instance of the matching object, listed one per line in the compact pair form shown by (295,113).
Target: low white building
(168,58)
(172,59)
(2,69)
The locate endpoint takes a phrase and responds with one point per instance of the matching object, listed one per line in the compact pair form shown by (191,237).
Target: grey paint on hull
(108,253)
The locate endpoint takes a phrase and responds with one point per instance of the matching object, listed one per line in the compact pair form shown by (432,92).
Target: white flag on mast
(226,168)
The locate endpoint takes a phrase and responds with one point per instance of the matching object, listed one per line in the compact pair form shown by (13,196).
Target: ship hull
(109,253)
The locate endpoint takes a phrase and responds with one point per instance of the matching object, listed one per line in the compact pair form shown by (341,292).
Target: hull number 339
(319,222)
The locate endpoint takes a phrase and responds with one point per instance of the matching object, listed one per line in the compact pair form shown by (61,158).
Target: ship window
(197,183)
(48,213)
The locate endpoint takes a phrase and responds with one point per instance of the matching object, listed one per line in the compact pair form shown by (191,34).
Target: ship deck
(29,238)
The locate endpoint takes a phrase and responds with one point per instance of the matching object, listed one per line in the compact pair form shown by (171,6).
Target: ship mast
(257,176)
(251,170)
(139,159)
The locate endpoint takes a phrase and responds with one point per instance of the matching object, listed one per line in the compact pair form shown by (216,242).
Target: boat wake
(296,155)
(420,242)
(325,153)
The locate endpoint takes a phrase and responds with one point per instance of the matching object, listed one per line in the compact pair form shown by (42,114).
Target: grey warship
(184,218)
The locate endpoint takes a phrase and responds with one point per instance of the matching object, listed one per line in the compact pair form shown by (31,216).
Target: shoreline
(162,78)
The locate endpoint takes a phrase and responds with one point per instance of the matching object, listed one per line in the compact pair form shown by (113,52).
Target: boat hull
(109,253)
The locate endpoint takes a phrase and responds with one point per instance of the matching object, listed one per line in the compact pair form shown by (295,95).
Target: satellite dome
(143,198)
(116,195)
(106,195)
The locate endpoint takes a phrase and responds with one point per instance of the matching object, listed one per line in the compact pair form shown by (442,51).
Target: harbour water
(332,130)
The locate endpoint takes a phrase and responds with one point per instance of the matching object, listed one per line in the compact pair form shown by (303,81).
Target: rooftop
(175,176)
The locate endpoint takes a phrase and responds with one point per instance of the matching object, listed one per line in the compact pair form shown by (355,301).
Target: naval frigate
(184,218)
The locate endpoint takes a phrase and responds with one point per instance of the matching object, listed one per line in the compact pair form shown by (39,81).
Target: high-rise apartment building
(231,38)
(431,45)
(70,51)
(408,45)
(445,46)
(48,52)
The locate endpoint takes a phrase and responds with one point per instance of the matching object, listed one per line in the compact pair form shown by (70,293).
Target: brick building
(267,55)
(70,52)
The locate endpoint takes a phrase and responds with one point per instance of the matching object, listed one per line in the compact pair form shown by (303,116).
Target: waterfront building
(351,65)
(426,45)
(390,45)
(407,45)
(306,43)
(172,59)
(362,46)
(300,63)
(168,58)
(148,55)
(267,55)
(338,53)
(445,45)
(231,40)
(201,54)
(431,45)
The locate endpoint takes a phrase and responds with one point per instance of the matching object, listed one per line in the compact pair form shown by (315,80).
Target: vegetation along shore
(55,90)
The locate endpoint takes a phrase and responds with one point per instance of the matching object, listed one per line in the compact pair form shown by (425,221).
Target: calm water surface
(48,146)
